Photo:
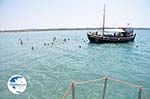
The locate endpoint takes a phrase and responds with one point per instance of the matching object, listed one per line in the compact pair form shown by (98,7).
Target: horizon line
(55,29)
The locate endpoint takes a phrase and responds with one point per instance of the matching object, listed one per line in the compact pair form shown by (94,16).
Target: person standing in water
(54,39)
(21,42)
(65,40)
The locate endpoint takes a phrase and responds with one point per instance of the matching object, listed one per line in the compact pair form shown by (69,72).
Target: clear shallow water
(50,69)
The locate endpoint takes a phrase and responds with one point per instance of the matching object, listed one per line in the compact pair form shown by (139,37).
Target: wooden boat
(120,36)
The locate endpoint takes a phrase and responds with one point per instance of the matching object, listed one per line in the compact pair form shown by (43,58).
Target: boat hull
(99,39)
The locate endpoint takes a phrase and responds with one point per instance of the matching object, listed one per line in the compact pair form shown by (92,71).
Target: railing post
(140,93)
(73,90)
(104,89)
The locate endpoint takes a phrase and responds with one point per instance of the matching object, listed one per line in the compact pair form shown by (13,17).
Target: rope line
(144,93)
(68,89)
(89,81)
(120,81)
(66,92)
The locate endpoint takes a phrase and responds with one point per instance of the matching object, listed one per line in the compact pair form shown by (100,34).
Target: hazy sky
(22,14)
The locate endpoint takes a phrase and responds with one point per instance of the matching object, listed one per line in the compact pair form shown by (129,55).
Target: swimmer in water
(54,39)
(52,43)
(64,39)
(21,42)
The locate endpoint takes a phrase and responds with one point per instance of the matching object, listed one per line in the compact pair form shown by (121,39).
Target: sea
(50,67)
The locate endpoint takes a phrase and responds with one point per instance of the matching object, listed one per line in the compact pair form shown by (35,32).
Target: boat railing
(141,94)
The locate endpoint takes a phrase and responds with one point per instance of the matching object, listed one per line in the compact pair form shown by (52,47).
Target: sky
(28,14)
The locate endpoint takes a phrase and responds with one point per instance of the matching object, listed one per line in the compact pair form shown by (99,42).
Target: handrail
(72,86)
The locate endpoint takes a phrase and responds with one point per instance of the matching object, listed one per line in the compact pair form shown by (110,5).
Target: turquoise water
(50,69)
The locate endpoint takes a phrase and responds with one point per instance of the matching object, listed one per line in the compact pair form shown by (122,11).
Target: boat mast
(103,21)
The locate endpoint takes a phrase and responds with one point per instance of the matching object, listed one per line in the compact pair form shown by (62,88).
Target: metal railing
(73,85)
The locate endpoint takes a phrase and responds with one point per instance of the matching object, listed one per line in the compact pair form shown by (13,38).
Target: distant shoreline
(61,29)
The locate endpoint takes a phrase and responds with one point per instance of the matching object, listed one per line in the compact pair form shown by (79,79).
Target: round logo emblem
(17,84)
